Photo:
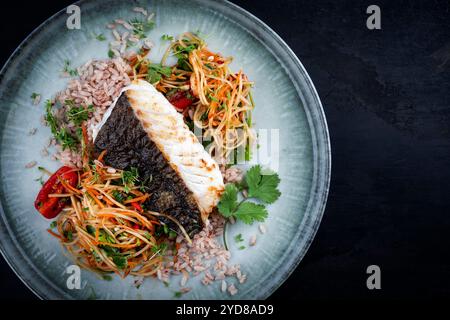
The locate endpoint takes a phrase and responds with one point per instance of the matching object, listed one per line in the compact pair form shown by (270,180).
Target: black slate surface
(385,95)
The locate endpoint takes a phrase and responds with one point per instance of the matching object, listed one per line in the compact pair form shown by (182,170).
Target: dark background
(386,98)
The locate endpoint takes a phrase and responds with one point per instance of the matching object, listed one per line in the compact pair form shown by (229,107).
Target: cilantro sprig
(156,71)
(67,69)
(141,27)
(260,185)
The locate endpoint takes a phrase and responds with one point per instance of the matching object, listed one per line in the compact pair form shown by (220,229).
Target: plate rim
(318,193)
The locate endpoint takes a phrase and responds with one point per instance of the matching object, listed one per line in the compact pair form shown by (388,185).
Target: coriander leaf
(248,212)
(166,37)
(120,261)
(228,203)
(141,27)
(53,224)
(100,37)
(111,54)
(155,71)
(34,95)
(90,229)
(69,70)
(238,238)
(107,277)
(118,196)
(68,235)
(262,186)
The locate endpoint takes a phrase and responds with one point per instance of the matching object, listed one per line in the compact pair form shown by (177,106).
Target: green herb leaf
(90,229)
(262,185)
(156,71)
(129,178)
(118,196)
(172,234)
(111,54)
(50,118)
(77,115)
(100,37)
(161,248)
(238,238)
(228,203)
(53,225)
(166,37)
(66,139)
(69,70)
(120,261)
(248,212)
(34,95)
(68,235)
(141,27)
(107,277)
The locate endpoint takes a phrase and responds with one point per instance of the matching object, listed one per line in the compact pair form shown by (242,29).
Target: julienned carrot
(69,187)
(100,204)
(102,154)
(55,235)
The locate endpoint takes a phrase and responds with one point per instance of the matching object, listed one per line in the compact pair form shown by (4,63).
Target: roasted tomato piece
(181,99)
(50,207)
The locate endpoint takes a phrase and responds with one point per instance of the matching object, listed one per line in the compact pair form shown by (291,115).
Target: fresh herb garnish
(161,248)
(100,37)
(69,70)
(156,71)
(77,115)
(178,294)
(129,178)
(238,238)
(62,135)
(66,139)
(118,196)
(68,235)
(34,95)
(53,225)
(111,54)
(50,118)
(120,261)
(166,37)
(90,229)
(261,185)
(40,180)
(172,234)
(106,277)
(141,27)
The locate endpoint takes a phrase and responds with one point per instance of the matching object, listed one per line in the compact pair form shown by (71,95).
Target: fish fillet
(143,130)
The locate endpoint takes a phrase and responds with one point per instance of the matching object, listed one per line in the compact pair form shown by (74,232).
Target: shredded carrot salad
(221,100)
(105,225)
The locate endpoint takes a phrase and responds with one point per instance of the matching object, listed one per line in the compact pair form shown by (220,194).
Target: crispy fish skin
(144,130)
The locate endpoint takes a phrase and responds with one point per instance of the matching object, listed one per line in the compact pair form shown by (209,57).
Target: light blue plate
(285,100)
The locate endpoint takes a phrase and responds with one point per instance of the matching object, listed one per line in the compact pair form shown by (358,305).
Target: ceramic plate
(286,103)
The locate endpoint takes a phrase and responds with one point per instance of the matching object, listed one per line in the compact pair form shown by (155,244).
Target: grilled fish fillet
(142,129)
